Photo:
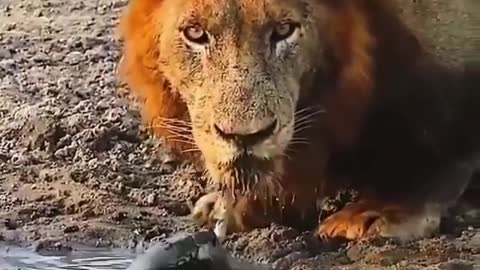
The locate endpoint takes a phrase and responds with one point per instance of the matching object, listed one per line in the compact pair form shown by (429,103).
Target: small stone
(41,58)
(456,265)
(356,252)
(475,241)
(5,54)
(151,199)
(10,224)
(74,58)
(46,175)
(287,261)
(11,26)
(7,64)
(63,193)
(38,13)
(71,229)
(119,4)
(119,216)
(45,246)
(57,57)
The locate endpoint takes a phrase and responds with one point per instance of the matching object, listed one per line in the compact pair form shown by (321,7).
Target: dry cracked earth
(78,167)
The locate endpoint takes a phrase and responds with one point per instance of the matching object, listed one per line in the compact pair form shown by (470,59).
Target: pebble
(5,54)
(456,265)
(71,229)
(74,58)
(475,240)
(151,199)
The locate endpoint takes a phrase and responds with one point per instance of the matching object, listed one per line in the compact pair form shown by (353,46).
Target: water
(15,258)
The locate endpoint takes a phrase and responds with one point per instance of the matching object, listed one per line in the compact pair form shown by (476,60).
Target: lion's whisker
(309,116)
(180,141)
(299,139)
(306,109)
(172,120)
(303,124)
(172,127)
(191,150)
(300,143)
(315,112)
(178,133)
(182,136)
(298,130)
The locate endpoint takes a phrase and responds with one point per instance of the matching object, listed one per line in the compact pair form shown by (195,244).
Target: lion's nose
(252,135)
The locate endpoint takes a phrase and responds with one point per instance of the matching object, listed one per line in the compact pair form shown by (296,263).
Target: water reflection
(14,258)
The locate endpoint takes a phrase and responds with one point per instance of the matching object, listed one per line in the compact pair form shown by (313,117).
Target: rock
(457,265)
(50,247)
(74,58)
(71,229)
(10,224)
(151,199)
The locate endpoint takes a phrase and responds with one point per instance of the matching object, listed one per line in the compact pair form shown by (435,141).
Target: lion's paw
(348,224)
(360,221)
(217,212)
(226,214)
(204,210)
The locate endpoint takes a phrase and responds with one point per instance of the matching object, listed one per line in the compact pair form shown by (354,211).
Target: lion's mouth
(248,174)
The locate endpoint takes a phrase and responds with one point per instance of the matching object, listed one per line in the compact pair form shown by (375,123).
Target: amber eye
(196,34)
(282,31)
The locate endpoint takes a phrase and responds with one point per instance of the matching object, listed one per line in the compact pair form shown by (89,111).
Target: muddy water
(14,258)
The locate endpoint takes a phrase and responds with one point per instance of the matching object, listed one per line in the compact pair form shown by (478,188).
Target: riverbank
(76,165)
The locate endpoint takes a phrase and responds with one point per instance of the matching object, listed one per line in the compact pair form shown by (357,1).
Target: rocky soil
(76,165)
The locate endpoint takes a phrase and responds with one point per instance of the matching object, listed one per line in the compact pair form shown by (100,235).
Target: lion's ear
(367,37)
(140,67)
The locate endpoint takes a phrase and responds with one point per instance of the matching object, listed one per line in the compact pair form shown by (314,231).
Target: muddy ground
(77,167)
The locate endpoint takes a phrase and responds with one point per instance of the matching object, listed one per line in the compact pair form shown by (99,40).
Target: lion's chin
(247,175)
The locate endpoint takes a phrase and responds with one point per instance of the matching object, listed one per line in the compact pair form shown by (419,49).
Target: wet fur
(395,116)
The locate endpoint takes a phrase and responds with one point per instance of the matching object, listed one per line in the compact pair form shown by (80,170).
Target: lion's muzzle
(246,136)
(250,151)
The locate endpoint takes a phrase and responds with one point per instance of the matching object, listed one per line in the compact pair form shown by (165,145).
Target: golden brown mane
(366,37)
(140,69)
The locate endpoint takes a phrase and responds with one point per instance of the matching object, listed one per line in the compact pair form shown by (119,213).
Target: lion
(285,102)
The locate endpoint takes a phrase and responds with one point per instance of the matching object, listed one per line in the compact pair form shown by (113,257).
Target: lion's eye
(282,31)
(196,34)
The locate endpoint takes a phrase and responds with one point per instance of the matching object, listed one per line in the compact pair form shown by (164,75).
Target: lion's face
(239,65)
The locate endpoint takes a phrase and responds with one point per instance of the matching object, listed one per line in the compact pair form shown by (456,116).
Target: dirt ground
(76,165)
